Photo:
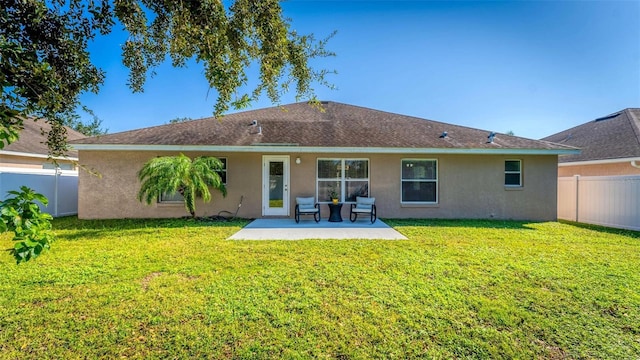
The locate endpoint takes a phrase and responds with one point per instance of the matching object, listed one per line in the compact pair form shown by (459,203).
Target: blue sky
(532,67)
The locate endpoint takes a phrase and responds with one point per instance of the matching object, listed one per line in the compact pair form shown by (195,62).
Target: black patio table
(334,212)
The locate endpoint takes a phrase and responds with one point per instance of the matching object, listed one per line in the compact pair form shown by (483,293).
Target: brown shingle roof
(32,140)
(610,137)
(339,125)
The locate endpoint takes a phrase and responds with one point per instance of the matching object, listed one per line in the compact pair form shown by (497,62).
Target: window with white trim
(223,171)
(513,173)
(178,198)
(171,198)
(419,181)
(348,177)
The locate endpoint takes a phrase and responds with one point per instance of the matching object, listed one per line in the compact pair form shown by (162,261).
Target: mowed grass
(455,289)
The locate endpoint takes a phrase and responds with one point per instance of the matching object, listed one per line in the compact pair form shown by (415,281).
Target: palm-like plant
(180,174)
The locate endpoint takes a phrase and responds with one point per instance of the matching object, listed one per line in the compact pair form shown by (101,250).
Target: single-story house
(610,146)
(415,168)
(30,150)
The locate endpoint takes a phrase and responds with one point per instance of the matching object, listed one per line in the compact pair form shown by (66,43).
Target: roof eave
(272,148)
(600,162)
(39,156)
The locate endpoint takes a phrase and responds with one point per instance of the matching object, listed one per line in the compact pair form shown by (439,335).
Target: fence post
(55,191)
(577,187)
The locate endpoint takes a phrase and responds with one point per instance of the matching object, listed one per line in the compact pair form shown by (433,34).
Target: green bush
(32,228)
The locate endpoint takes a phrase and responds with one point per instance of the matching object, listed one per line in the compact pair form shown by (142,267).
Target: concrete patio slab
(287,229)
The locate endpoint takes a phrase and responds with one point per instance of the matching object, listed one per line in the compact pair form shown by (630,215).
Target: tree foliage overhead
(179,120)
(45,64)
(91,128)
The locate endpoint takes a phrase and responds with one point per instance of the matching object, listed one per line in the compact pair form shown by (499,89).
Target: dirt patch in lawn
(147,279)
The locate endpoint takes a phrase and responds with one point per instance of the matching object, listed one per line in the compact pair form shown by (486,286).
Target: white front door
(275,185)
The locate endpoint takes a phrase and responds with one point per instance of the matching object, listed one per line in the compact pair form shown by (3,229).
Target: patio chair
(363,205)
(307,206)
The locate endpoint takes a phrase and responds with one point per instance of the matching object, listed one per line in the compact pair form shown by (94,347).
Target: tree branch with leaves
(45,64)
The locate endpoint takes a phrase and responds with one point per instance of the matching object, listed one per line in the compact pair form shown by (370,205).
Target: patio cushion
(363,204)
(306,204)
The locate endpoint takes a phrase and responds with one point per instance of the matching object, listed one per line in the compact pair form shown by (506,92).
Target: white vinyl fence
(59,186)
(612,201)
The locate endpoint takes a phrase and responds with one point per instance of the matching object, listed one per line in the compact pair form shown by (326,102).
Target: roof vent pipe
(635,164)
(491,136)
(254,123)
(444,135)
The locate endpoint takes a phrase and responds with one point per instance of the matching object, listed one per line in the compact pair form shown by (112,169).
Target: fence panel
(567,198)
(60,187)
(602,200)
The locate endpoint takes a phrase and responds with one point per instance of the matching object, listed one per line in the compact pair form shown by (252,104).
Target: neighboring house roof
(615,136)
(303,128)
(33,142)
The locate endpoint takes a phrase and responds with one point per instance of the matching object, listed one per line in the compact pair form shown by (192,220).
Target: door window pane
(276,184)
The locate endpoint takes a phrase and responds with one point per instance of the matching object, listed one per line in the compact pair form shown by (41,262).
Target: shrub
(32,228)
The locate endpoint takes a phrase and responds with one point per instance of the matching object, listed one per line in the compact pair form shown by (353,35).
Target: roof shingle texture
(33,141)
(611,137)
(300,124)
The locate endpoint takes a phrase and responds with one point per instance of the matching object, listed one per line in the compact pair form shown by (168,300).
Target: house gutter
(39,156)
(21,170)
(276,148)
(633,160)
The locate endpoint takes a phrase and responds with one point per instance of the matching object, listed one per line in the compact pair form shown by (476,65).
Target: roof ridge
(600,118)
(558,143)
(427,119)
(635,122)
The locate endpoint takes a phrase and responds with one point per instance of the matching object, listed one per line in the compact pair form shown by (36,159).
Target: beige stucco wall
(469,186)
(20,161)
(614,169)
(112,193)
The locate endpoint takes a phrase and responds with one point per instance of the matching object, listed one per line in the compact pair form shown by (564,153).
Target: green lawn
(456,289)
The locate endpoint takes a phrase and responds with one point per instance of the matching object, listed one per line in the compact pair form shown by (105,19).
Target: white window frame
(176,200)
(225,162)
(321,198)
(435,181)
(181,200)
(513,172)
